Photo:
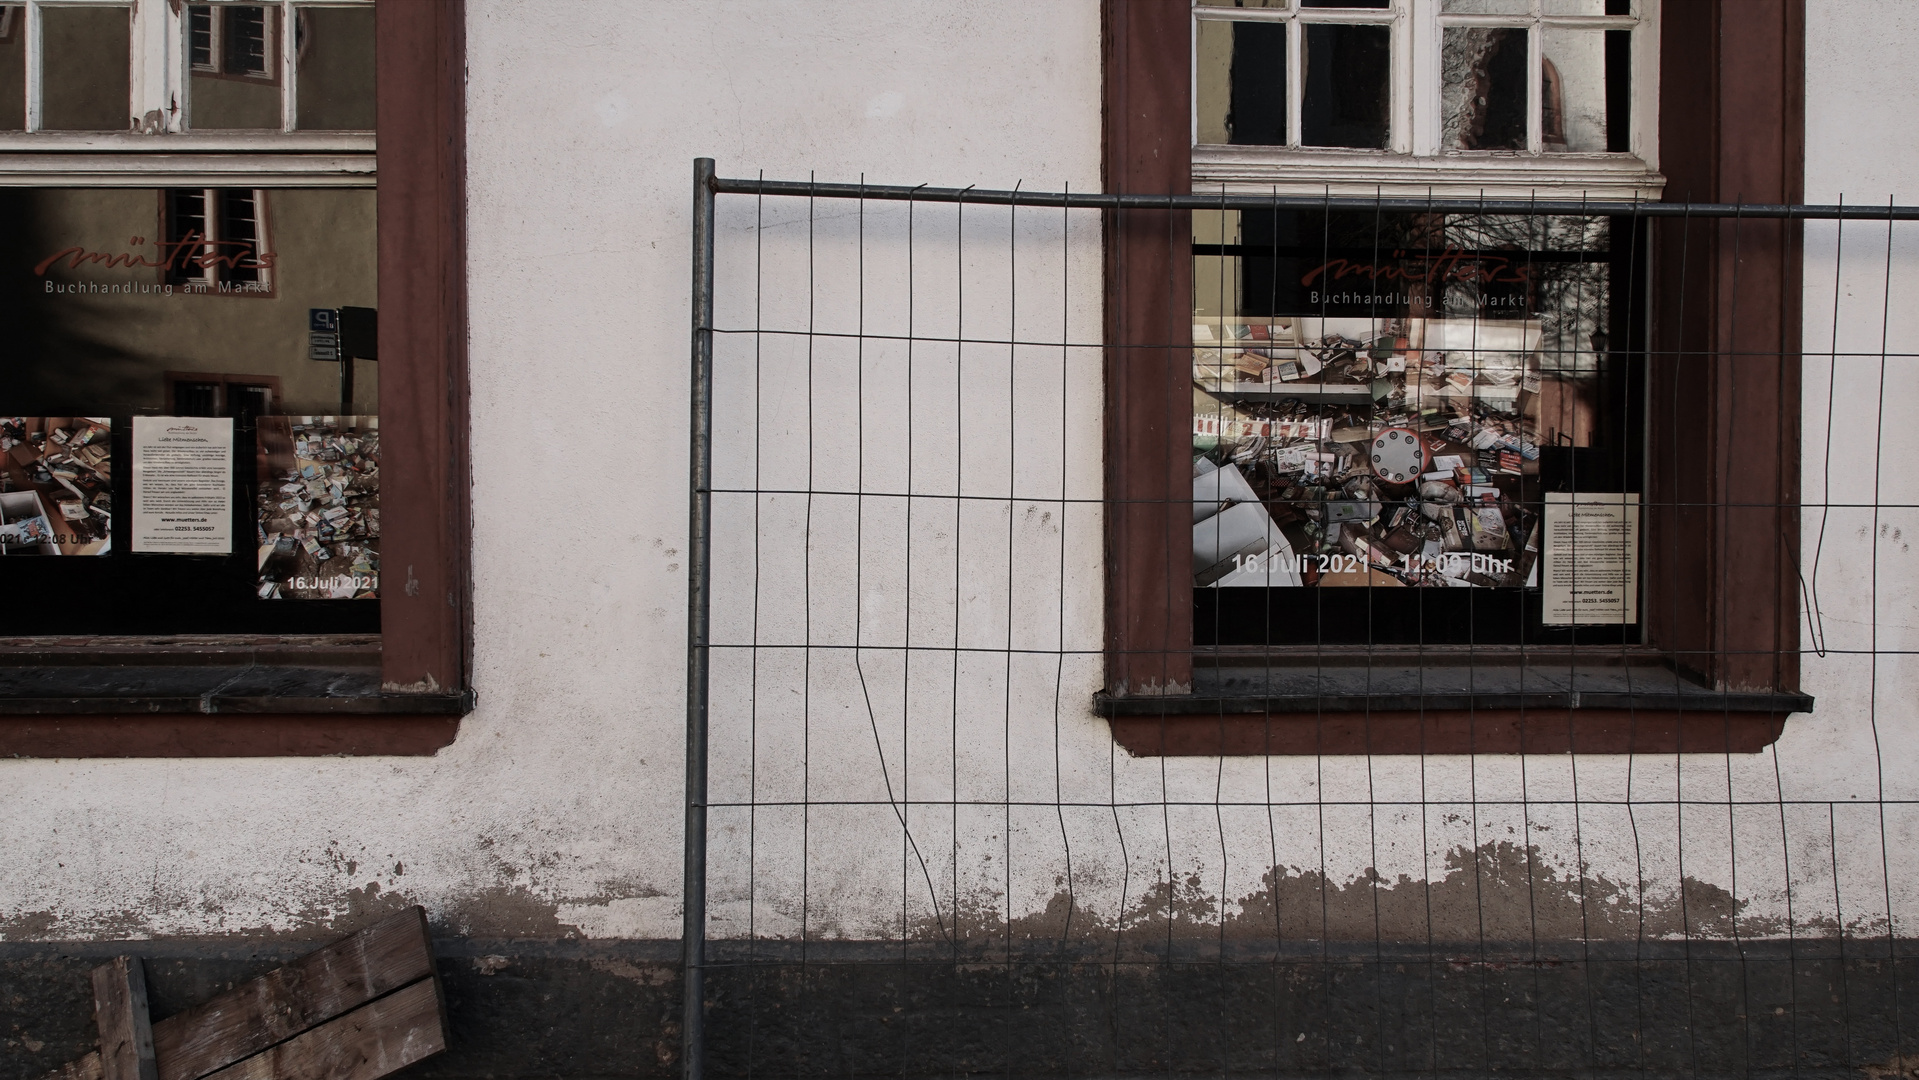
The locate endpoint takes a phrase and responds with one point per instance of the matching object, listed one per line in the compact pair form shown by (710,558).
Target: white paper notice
(183,484)
(1592,558)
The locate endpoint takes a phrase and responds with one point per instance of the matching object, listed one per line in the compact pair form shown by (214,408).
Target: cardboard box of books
(25,527)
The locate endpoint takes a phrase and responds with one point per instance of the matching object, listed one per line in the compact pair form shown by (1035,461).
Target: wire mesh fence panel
(1528,688)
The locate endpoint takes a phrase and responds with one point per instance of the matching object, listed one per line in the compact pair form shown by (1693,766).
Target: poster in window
(1373,394)
(183,485)
(318,507)
(1592,558)
(56,485)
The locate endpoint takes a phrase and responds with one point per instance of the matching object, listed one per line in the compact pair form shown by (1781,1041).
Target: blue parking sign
(321,320)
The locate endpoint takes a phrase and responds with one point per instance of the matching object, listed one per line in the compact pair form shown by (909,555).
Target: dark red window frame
(424,644)
(1731,121)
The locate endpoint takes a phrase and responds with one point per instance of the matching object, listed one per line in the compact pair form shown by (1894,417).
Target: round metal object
(1398,456)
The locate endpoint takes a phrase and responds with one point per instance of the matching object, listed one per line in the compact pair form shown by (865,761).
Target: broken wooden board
(367,1043)
(120,1012)
(300,999)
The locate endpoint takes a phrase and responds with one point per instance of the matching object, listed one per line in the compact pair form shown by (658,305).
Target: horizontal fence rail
(1242,201)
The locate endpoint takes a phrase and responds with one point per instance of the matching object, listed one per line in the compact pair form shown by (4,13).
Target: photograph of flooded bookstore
(1428,405)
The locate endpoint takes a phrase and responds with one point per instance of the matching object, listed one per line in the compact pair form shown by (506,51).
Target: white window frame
(159,149)
(1414,165)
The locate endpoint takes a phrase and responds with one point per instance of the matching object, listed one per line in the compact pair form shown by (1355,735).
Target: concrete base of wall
(611,1009)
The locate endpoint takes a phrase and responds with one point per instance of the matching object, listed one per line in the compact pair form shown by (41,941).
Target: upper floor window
(1496,95)
(165,68)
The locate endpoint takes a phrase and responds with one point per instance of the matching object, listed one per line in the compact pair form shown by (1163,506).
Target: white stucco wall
(558,809)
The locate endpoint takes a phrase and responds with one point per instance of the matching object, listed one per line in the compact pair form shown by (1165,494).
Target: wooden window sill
(215,696)
(1447,705)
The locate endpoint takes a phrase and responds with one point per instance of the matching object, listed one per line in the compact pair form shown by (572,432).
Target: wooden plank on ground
(365,1044)
(283,1003)
(120,1012)
(86,1068)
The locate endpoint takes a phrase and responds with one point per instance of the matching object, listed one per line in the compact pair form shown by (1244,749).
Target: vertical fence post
(698,613)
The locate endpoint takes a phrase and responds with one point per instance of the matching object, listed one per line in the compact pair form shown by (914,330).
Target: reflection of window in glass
(334,61)
(1242,83)
(200,49)
(1269,74)
(196,397)
(204,393)
(1578,51)
(1585,77)
(231,40)
(1552,115)
(1483,76)
(217,240)
(1513,76)
(84,72)
(134,313)
(72,65)
(231,52)
(244,48)
(13,68)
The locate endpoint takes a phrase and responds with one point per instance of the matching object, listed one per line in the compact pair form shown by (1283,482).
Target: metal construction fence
(1401,806)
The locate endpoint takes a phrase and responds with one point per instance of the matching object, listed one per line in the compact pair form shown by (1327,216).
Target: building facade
(974,803)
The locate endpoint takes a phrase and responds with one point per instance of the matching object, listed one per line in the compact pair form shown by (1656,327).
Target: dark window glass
(1348,86)
(1618,90)
(1258,113)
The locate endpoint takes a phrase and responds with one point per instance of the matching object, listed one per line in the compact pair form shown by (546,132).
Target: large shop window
(205,441)
(1438,491)
(225,437)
